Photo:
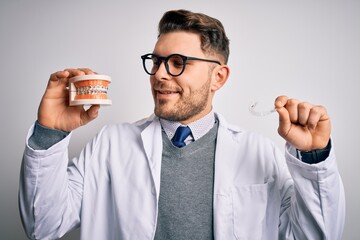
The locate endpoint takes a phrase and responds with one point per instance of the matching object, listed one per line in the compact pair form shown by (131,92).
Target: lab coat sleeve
(50,191)
(314,206)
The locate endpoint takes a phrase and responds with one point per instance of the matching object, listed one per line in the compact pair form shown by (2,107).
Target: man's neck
(198,128)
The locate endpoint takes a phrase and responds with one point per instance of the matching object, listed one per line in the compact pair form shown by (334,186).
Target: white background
(309,50)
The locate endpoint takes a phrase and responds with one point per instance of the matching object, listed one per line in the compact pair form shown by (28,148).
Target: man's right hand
(54,110)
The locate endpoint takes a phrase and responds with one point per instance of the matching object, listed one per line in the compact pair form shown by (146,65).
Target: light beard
(186,107)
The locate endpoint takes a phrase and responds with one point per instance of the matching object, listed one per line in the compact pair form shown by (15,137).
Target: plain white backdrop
(309,50)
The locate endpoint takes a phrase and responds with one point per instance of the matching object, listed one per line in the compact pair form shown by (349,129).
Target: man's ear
(221,74)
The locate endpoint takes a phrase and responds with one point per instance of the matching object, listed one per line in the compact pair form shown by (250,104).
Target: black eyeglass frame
(166,59)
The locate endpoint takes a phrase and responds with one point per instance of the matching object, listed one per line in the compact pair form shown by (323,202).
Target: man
(209,180)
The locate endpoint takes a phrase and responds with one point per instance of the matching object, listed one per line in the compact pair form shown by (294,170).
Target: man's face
(187,97)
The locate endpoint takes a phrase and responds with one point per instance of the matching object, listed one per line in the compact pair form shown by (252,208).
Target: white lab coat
(112,189)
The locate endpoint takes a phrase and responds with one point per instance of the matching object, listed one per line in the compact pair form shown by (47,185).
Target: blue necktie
(180,135)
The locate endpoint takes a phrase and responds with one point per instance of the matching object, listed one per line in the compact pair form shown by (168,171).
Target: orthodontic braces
(99,89)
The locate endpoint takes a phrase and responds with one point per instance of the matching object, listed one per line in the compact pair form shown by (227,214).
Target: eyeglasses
(175,63)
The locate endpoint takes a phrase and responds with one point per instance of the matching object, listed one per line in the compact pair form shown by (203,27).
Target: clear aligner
(259,113)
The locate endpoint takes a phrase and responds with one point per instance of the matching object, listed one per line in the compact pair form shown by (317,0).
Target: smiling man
(184,172)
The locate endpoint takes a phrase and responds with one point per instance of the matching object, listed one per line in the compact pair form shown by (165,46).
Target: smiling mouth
(166,92)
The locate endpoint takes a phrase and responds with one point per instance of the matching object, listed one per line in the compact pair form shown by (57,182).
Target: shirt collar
(198,128)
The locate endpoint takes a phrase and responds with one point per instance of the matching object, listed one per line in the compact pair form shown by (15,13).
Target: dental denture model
(89,90)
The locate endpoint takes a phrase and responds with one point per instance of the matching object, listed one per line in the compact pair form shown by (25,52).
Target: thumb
(57,78)
(90,114)
(284,116)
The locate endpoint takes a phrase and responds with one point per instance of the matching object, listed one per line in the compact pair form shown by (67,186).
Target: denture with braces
(89,90)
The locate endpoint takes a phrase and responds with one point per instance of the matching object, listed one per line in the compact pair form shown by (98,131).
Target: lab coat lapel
(225,155)
(152,142)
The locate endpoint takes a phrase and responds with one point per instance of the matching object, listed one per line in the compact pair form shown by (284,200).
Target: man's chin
(166,116)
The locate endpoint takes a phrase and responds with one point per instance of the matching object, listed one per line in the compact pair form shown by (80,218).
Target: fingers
(71,72)
(292,111)
(90,114)
(317,114)
(79,71)
(302,113)
(62,77)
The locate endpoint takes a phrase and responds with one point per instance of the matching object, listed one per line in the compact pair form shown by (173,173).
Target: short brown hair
(211,30)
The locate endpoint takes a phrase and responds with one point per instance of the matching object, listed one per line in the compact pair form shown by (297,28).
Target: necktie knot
(180,135)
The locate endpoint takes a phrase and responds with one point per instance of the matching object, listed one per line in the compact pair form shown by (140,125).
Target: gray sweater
(186,189)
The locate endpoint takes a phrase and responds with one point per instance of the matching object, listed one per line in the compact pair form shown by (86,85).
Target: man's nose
(162,73)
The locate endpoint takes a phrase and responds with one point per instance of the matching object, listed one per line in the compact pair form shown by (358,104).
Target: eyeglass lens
(174,64)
